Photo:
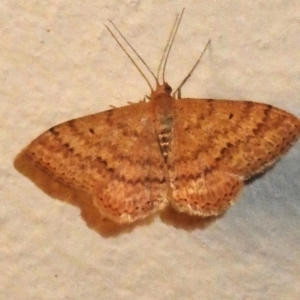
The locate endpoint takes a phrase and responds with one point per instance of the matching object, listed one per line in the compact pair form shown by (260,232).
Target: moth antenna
(191,71)
(131,59)
(132,48)
(166,46)
(173,35)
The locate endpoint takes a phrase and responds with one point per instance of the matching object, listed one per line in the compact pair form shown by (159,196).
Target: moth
(191,154)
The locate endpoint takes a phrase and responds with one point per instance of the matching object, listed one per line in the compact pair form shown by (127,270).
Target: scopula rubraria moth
(191,154)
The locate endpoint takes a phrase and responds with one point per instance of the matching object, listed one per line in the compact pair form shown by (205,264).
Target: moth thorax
(163,112)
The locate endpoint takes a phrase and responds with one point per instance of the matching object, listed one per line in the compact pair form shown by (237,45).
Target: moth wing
(217,145)
(113,155)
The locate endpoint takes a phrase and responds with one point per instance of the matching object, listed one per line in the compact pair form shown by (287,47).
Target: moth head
(161,89)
